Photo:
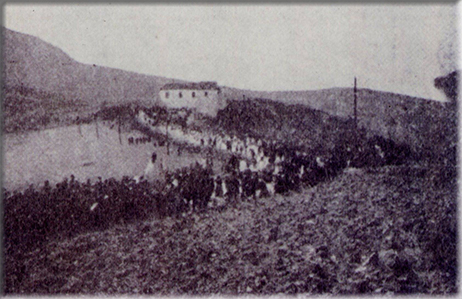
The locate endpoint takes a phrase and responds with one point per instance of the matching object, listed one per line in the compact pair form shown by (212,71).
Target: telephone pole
(355,90)
(168,141)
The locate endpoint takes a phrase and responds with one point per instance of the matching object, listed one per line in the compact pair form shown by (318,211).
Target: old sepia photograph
(230,149)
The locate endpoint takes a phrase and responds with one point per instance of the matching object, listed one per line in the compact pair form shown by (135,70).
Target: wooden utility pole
(168,141)
(355,90)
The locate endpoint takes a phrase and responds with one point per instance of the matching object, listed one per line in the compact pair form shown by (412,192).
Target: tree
(448,84)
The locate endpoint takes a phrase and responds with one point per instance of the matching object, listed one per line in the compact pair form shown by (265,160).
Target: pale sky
(396,48)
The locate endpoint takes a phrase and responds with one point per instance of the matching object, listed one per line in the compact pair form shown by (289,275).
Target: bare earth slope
(390,230)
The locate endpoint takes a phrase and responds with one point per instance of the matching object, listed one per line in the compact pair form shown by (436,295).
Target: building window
(193,94)
(180,94)
(206,93)
(166,95)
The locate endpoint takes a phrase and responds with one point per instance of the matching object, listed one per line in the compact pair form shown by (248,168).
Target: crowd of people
(254,169)
(39,213)
(258,168)
(139,140)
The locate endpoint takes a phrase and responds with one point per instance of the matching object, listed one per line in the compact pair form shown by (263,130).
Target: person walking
(150,166)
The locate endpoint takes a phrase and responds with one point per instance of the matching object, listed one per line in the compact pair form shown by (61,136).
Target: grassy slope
(289,124)
(28,109)
(365,231)
(418,122)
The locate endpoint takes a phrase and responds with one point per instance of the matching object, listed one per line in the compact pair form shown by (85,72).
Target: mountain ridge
(32,63)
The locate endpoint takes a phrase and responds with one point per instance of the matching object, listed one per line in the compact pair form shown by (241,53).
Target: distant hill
(335,101)
(35,64)
(421,123)
(42,83)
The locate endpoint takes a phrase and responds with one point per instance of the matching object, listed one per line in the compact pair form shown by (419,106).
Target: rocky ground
(390,230)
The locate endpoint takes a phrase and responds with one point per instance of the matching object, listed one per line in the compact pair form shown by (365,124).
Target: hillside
(352,227)
(40,66)
(386,231)
(336,101)
(421,123)
(43,83)
(296,124)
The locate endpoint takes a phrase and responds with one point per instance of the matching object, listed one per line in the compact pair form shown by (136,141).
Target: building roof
(195,86)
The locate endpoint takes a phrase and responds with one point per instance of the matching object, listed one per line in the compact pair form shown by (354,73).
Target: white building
(205,97)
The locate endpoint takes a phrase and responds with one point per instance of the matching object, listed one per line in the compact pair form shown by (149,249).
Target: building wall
(207,104)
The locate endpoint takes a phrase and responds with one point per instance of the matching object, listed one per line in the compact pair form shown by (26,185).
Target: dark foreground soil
(387,230)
